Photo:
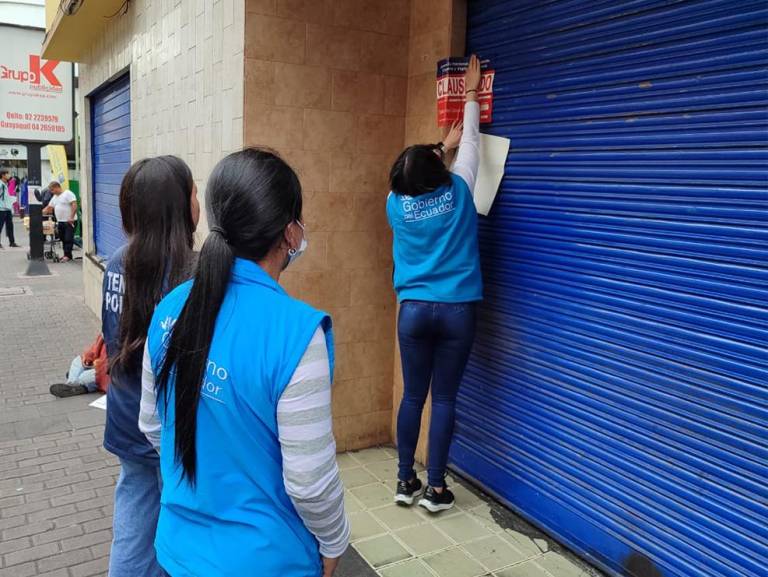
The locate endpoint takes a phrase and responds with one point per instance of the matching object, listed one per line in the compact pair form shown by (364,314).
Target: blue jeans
(79,375)
(435,342)
(137,505)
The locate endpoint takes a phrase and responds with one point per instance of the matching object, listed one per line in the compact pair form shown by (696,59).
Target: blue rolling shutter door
(616,395)
(111,150)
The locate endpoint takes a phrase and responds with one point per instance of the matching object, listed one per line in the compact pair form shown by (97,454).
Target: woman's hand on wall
(472,78)
(453,137)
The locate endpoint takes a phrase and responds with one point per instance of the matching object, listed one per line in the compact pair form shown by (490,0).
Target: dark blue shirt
(121,435)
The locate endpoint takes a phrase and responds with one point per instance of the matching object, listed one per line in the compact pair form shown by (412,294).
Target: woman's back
(238,518)
(435,246)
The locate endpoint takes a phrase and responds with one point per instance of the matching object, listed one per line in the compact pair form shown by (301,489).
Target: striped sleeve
(149,420)
(310,472)
(468,158)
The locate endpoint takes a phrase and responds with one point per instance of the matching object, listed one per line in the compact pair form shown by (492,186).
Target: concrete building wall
(185,59)
(326,85)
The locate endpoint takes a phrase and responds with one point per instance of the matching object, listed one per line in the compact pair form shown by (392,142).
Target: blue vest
(238,521)
(121,433)
(435,246)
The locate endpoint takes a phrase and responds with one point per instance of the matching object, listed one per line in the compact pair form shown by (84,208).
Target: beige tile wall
(185,58)
(325,85)
(437,30)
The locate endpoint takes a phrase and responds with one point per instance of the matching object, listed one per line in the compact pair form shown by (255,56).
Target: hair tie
(219,230)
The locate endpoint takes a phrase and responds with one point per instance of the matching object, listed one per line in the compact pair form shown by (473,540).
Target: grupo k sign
(35,94)
(450,90)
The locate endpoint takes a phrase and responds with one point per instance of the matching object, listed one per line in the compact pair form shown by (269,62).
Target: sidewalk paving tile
(412,568)
(382,551)
(345,461)
(369,456)
(560,566)
(527,569)
(395,517)
(373,496)
(493,552)
(363,526)
(462,528)
(454,563)
(357,477)
(391,451)
(521,542)
(465,498)
(424,539)
(351,504)
(384,470)
(483,514)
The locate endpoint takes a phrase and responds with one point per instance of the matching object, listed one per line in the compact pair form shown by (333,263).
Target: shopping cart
(51,241)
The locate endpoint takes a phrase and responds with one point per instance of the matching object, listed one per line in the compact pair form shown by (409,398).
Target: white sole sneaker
(401,499)
(433,508)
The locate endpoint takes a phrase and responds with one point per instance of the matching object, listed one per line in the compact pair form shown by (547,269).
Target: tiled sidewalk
(56,481)
(478,538)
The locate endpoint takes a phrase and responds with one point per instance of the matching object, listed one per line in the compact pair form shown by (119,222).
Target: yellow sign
(59,169)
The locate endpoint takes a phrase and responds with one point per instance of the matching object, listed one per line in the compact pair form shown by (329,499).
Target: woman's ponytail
(251,197)
(190,342)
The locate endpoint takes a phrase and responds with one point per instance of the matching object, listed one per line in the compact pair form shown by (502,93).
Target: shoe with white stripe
(435,502)
(407,491)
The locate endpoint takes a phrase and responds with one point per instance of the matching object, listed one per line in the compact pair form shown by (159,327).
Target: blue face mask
(294,253)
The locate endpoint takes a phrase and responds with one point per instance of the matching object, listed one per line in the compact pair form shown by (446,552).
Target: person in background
(237,394)
(24,198)
(87,372)
(438,283)
(6,209)
(160,212)
(13,190)
(63,205)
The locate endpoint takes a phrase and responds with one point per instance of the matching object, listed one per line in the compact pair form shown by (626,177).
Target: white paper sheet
(100,403)
(493,157)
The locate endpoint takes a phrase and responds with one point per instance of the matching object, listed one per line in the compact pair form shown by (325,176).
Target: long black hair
(251,197)
(419,170)
(155,205)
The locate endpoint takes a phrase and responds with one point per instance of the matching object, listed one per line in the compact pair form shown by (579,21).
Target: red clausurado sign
(35,93)
(450,90)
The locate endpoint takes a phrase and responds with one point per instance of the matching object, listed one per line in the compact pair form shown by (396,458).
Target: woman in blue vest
(159,210)
(438,283)
(237,394)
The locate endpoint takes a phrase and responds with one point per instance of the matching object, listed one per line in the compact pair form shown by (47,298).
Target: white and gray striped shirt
(305,430)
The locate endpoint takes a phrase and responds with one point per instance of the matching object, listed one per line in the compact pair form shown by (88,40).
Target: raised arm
(468,157)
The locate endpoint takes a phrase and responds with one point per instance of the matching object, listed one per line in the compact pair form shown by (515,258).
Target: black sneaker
(14,245)
(66,390)
(407,491)
(435,502)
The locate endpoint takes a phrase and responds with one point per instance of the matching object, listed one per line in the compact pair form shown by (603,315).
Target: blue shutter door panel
(111,159)
(616,395)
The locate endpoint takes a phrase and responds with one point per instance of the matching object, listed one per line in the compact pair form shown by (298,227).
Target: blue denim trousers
(79,375)
(137,506)
(435,342)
